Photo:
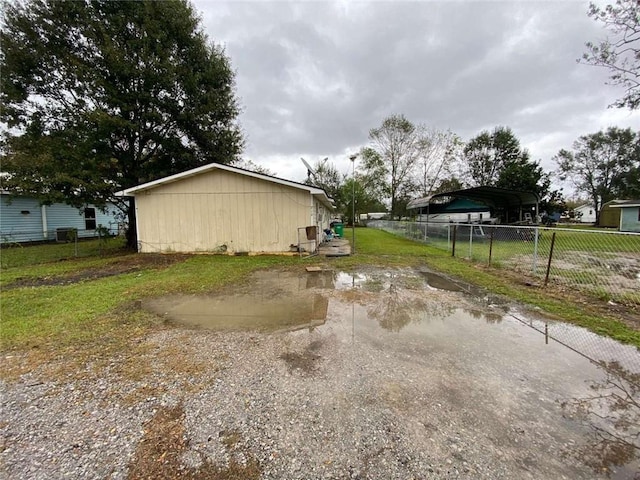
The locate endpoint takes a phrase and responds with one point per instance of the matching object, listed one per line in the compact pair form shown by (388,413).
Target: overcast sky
(314,77)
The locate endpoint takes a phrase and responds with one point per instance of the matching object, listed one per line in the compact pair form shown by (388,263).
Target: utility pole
(353,204)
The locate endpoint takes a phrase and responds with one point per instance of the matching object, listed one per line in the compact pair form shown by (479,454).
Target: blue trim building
(24,219)
(629,215)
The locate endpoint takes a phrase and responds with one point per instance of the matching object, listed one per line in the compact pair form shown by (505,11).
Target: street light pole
(353,204)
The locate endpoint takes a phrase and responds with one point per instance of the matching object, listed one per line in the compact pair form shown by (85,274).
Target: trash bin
(339,229)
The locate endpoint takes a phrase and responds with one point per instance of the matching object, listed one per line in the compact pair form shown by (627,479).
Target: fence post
(535,250)
(491,245)
(470,241)
(453,244)
(553,242)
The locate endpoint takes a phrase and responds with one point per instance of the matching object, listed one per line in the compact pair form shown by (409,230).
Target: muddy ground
(367,374)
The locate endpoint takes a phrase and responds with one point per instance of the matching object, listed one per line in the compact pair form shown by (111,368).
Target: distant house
(24,219)
(219,208)
(629,215)
(585,213)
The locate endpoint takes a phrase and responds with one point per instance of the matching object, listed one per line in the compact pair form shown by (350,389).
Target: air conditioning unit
(66,234)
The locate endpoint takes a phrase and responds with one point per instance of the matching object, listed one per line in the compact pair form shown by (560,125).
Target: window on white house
(90,218)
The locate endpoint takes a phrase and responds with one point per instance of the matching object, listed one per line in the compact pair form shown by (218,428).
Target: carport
(511,202)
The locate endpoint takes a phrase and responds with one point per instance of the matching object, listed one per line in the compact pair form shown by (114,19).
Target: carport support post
(553,242)
(470,241)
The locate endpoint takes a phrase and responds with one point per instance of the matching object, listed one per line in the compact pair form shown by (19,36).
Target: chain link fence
(18,248)
(599,263)
(596,263)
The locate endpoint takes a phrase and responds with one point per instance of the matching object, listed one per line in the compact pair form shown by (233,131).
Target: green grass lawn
(88,310)
(18,255)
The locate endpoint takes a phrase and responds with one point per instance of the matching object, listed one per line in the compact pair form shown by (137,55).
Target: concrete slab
(337,247)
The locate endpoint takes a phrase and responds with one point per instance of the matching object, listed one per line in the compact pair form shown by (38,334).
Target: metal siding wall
(205,212)
(18,227)
(629,220)
(109,218)
(60,215)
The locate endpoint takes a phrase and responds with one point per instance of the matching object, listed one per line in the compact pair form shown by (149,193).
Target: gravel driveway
(399,380)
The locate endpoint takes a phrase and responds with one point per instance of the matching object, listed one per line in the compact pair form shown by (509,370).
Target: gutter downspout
(45,227)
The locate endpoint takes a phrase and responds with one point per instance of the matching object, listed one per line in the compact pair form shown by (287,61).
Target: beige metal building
(224,209)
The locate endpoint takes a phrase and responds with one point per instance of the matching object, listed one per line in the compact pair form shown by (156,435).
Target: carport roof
(493,196)
(626,204)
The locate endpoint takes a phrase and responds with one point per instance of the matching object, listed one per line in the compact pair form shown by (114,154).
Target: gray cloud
(314,77)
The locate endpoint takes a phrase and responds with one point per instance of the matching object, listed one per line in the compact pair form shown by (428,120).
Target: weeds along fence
(600,263)
(20,248)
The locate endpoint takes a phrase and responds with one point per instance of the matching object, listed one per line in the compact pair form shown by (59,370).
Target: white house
(585,213)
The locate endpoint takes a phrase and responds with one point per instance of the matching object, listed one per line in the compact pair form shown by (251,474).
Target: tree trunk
(132,231)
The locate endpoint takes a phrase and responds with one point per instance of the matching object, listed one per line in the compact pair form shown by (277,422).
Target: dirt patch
(159,453)
(127,264)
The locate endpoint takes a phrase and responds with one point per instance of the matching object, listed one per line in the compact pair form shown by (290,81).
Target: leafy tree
(449,184)
(248,164)
(487,155)
(101,95)
(603,165)
(438,151)
(365,202)
(326,176)
(496,159)
(528,176)
(394,149)
(619,53)
(628,185)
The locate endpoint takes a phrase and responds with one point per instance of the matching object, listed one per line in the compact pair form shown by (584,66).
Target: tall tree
(365,200)
(394,149)
(620,52)
(326,176)
(528,176)
(603,165)
(448,184)
(438,151)
(487,154)
(101,95)
(248,164)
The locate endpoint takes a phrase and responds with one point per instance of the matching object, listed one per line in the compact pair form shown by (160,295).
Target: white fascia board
(196,171)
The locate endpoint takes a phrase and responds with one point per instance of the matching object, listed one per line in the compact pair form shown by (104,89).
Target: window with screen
(90,218)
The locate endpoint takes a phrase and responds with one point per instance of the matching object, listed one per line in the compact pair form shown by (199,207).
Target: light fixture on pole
(353,204)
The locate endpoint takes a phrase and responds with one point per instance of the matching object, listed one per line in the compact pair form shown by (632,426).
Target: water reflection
(440,282)
(322,280)
(395,307)
(612,414)
(243,312)
(489,317)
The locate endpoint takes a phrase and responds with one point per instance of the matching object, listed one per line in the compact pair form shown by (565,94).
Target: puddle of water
(440,283)
(243,312)
(427,320)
